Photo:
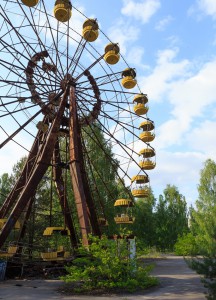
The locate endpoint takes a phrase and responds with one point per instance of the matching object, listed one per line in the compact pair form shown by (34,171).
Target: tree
(144,224)
(171,218)
(203,226)
(204,217)
(101,167)
(5,185)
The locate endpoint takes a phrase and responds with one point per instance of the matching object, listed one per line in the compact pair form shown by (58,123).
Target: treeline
(165,223)
(158,223)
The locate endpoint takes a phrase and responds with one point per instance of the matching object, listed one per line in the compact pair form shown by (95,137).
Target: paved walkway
(177,282)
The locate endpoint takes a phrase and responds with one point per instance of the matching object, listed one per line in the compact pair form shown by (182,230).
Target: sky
(172,46)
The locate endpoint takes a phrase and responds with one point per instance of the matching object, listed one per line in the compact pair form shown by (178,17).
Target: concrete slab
(177,282)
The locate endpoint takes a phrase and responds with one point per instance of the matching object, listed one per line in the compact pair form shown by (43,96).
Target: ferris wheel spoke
(14,140)
(89,68)
(19,129)
(77,55)
(17,111)
(53,39)
(94,169)
(11,68)
(111,91)
(104,77)
(108,101)
(39,41)
(16,121)
(95,139)
(124,147)
(24,67)
(42,46)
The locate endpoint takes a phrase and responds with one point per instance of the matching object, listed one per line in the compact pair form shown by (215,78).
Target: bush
(186,245)
(206,266)
(105,265)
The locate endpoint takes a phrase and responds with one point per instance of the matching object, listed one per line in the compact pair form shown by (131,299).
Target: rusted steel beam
(24,225)
(59,182)
(83,199)
(23,178)
(37,173)
(75,170)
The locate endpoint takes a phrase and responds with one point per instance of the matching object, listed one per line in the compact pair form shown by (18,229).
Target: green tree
(101,167)
(204,217)
(5,186)
(144,224)
(171,218)
(203,226)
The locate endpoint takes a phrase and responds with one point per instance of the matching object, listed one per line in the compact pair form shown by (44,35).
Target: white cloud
(202,138)
(189,92)
(208,7)
(141,11)
(203,7)
(162,24)
(179,169)
(164,73)
(135,56)
(123,34)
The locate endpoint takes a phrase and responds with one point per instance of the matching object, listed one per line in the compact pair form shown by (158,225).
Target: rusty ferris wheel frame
(53,77)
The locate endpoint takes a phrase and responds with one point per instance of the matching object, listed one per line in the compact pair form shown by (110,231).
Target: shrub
(106,265)
(186,245)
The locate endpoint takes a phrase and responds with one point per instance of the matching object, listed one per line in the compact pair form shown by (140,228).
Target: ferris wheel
(61,83)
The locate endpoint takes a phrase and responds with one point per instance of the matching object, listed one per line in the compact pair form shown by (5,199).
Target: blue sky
(172,46)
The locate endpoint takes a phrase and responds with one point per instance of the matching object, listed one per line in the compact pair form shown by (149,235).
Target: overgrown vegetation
(186,245)
(106,265)
(160,224)
(203,227)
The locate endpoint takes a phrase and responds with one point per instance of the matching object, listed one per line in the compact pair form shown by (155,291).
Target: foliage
(204,217)
(5,186)
(144,224)
(171,218)
(186,245)
(105,265)
(203,226)
(206,266)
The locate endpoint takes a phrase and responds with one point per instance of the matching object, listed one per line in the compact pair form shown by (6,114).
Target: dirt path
(177,282)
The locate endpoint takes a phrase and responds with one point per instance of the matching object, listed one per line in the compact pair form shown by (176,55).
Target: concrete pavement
(177,282)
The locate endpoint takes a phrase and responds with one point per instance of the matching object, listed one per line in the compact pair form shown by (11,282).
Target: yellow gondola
(147,152)
(147,125)
(111,55)
(11,251)
(142,192)
(4,221)
(42,126)
(140,98)
(128,78)
(124,219)
(30,3)
(147,136)
(123,202)
(139,179)
(62,10)
(51,230)
(58,255)
(147,164)
(140,107)
(102,221)
(90,30)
